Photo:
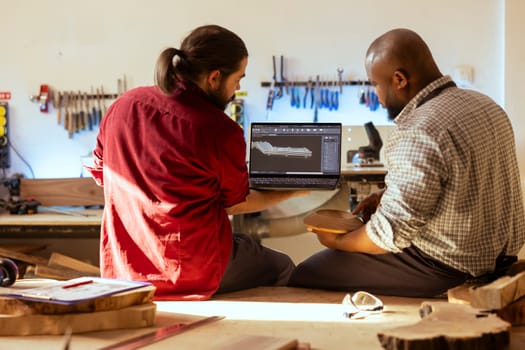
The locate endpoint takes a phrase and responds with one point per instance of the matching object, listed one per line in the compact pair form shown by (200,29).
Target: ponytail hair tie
(179,53)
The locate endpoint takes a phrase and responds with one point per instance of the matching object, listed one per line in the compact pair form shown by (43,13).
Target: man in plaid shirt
(452,208)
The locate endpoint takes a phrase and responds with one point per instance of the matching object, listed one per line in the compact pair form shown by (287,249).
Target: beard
(393,112)
(219,97)
(393,106)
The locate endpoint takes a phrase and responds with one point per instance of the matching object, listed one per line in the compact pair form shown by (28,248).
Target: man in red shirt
(173,167)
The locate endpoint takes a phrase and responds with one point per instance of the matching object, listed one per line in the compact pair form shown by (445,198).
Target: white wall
(73,45)
(514,78)
(515,73)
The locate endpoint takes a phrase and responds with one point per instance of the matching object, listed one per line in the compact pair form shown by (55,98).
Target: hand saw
(159,334)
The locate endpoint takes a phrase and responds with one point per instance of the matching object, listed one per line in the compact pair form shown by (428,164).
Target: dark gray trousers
(411,273)
(252,265)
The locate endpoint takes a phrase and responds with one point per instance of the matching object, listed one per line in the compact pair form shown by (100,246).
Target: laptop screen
(302,155)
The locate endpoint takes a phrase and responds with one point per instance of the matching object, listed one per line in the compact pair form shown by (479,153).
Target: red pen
(76,284)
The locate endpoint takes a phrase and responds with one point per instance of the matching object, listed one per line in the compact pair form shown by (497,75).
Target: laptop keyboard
(296,182)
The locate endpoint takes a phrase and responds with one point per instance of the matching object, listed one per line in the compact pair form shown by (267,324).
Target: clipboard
(76,290)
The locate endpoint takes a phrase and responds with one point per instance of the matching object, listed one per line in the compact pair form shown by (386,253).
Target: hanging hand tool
(325,99)
(283,79)
(76,113)
(99,107)
(71,115)
(313,95)
(292,95)
(279,92)
(103,101)
(374,101)
(65,105)
(308,88)
(317,98)
(94,111)
(362,97)
(43,98)
(340,78)
(88,111)
(58,106)
(119,86)
(82,118)
(334,98)
(271,93)
(297,97)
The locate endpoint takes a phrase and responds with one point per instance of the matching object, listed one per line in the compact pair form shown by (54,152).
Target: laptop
(295,156)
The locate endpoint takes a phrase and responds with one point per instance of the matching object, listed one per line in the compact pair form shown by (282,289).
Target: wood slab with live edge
(137,316)
(505,295)
(18,307)
(332,221)
(500,293)
(449,326)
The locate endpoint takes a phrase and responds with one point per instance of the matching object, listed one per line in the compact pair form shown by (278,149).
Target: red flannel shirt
(169,166)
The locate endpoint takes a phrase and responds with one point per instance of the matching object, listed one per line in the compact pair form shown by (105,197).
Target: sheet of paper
(76,290)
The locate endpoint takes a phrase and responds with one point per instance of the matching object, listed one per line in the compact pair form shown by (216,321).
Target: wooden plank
(460,294)
(62,191)
(499,293)
(59,260)
(41,268)
(253,342)
(491,295)
(449,326)
(59,273)
(30,259)
(23,248)
(131,317)
(16,307)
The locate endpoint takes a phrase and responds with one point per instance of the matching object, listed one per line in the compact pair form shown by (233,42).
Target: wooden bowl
(332,221)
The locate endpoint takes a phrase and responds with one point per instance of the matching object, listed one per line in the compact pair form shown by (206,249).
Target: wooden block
(500,293)
(30,259)
(58,260)
(58,273)
(131,317)
(12,306)
(465,293)
(62,191)
(23,248)
(449,326)
(460,294)
(514,313)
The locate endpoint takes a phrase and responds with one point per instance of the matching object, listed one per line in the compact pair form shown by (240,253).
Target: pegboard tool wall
(71,48)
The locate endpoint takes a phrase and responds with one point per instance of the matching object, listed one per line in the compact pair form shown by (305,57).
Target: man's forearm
(261,200)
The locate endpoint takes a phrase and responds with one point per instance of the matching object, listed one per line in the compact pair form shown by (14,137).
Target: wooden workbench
(310,316)
(79,223)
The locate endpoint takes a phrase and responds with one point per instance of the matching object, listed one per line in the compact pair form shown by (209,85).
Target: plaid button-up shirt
(453,185)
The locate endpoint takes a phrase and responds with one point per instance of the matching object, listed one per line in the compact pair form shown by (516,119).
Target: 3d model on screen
(269,150)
